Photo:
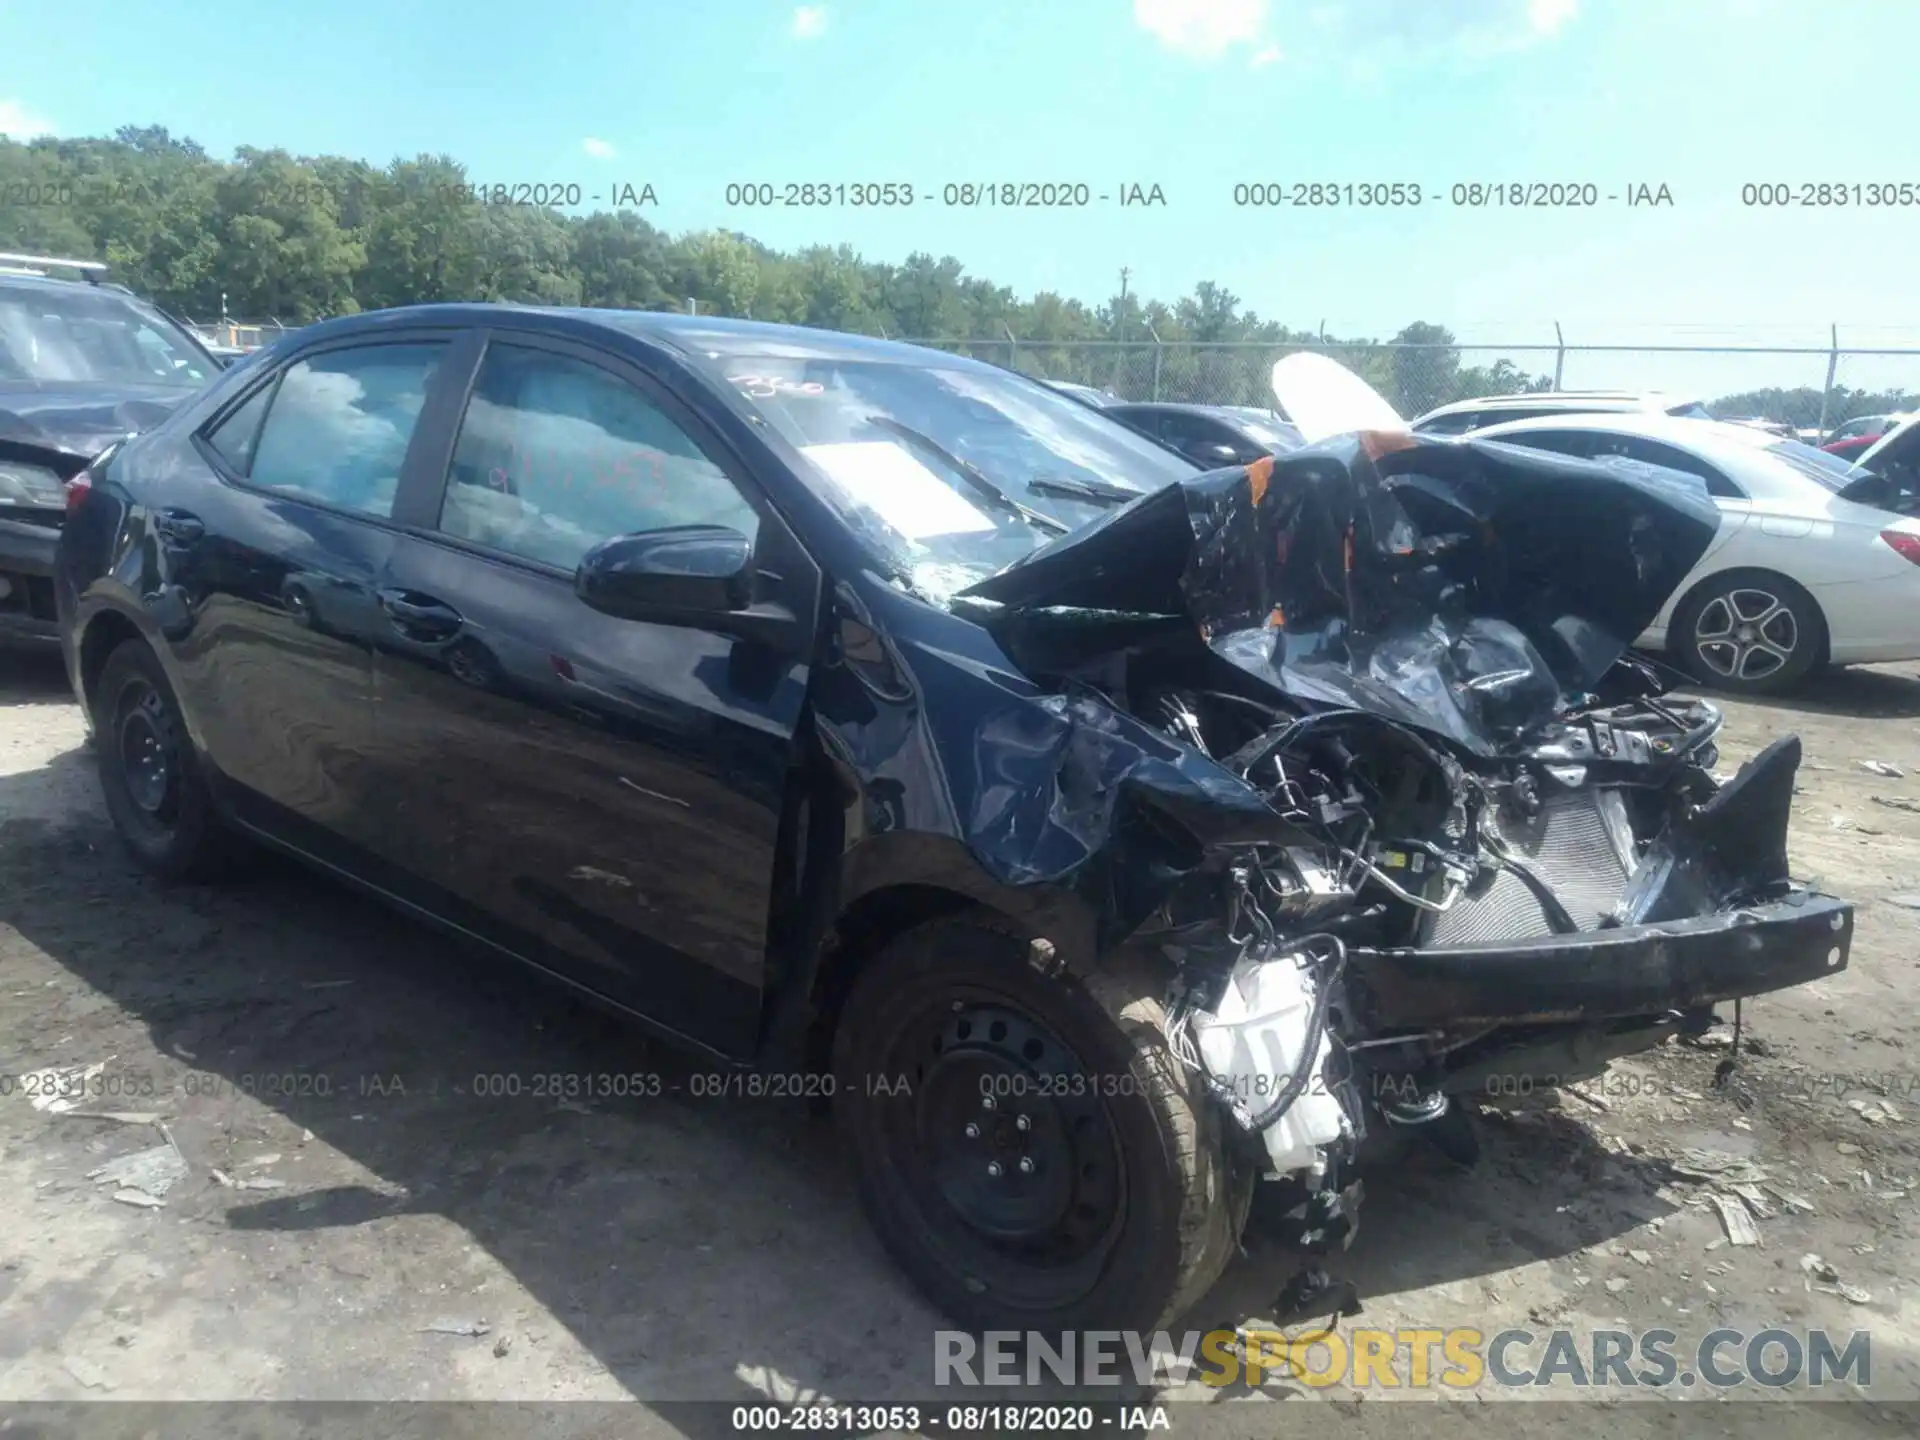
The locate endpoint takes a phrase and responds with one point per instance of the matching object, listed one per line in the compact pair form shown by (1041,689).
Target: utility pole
(1120,350)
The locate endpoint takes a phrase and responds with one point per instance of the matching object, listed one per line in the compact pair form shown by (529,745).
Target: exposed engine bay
(1353,740)
(1398,845)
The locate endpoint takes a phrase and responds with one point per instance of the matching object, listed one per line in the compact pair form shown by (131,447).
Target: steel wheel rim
(149,754)
(1746,634)
(977,1068)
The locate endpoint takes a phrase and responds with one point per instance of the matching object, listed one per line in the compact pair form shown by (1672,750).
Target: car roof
(54,284)
(1569,400)
(1744,452)
(694,336)
(1703,435)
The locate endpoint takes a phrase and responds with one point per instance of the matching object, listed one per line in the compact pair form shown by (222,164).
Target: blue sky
(1192,95)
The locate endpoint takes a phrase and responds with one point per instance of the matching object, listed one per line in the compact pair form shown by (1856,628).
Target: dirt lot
(351,1195)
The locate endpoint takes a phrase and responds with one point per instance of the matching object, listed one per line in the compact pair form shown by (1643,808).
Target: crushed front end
(1427,829)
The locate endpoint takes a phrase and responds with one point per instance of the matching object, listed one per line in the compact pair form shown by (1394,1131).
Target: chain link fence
(1415,378)
(240,334)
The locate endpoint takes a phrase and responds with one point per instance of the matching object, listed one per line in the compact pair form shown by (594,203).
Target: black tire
(1749,632)
(1132,1207)
(155,792)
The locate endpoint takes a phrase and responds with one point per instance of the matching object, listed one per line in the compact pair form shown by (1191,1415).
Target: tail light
(81,485)
(1905,542)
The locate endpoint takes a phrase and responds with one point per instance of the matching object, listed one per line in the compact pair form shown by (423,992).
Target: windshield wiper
(1098,491)
(972,474)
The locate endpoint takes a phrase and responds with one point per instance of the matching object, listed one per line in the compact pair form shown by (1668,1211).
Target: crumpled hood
(1467,587)
(79,419)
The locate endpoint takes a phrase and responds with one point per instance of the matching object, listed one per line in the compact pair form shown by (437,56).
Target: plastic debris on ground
(471,1328)
(150,1172)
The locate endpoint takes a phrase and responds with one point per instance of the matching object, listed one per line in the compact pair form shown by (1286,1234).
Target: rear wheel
(1750,632)
(149,774)
(1028,1148)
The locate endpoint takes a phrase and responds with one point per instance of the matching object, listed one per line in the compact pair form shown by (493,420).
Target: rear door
(608,790)
(274,547)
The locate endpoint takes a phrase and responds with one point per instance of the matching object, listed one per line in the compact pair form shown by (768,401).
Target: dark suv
(82,363)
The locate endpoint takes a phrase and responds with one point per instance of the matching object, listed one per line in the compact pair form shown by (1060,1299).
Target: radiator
(1580,844)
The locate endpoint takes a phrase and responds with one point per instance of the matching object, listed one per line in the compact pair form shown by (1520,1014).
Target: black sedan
(1211,435)
(894,724)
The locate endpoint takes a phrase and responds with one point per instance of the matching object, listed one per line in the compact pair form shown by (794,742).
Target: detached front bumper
(1605,974)
(27,614)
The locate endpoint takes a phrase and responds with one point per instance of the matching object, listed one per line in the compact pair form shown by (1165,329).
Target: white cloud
(808,21)
(1379,36)
(1269,55)
(17,122)
(598,149)
(1547,16)
(1202,29)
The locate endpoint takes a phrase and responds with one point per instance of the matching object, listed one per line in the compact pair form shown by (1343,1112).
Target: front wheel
(1028,1148)
(1750,632)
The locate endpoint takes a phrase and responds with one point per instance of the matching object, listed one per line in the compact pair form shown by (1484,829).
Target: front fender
(899,859)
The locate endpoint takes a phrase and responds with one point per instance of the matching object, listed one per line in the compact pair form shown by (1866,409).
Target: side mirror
(1215,455)
(683,574)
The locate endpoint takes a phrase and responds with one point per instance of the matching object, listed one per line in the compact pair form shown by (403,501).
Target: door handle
(178,527)
(420,617)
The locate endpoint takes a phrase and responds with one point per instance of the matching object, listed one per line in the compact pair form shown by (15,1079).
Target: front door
(610,789)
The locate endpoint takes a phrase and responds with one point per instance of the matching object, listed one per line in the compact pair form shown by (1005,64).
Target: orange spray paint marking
(1384,442)
(1259,473)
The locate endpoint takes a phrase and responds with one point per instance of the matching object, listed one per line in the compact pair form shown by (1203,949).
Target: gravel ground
(353,1200)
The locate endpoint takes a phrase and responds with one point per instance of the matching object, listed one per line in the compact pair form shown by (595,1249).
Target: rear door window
(339,423)
(235,436)
(1652,452)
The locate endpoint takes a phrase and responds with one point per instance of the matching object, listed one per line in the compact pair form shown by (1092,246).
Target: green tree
(621,261)
(1427,372)
(422,235)
(282,251)
(716,269)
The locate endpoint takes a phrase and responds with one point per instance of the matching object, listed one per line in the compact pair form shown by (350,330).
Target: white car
(1464,416)
(1799,576)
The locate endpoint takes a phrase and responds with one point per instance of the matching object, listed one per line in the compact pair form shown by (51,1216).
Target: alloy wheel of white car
(1746,635)
(1752,632)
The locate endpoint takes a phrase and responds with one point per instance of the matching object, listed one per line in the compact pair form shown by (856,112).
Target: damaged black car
(82,363)
(1104,838)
